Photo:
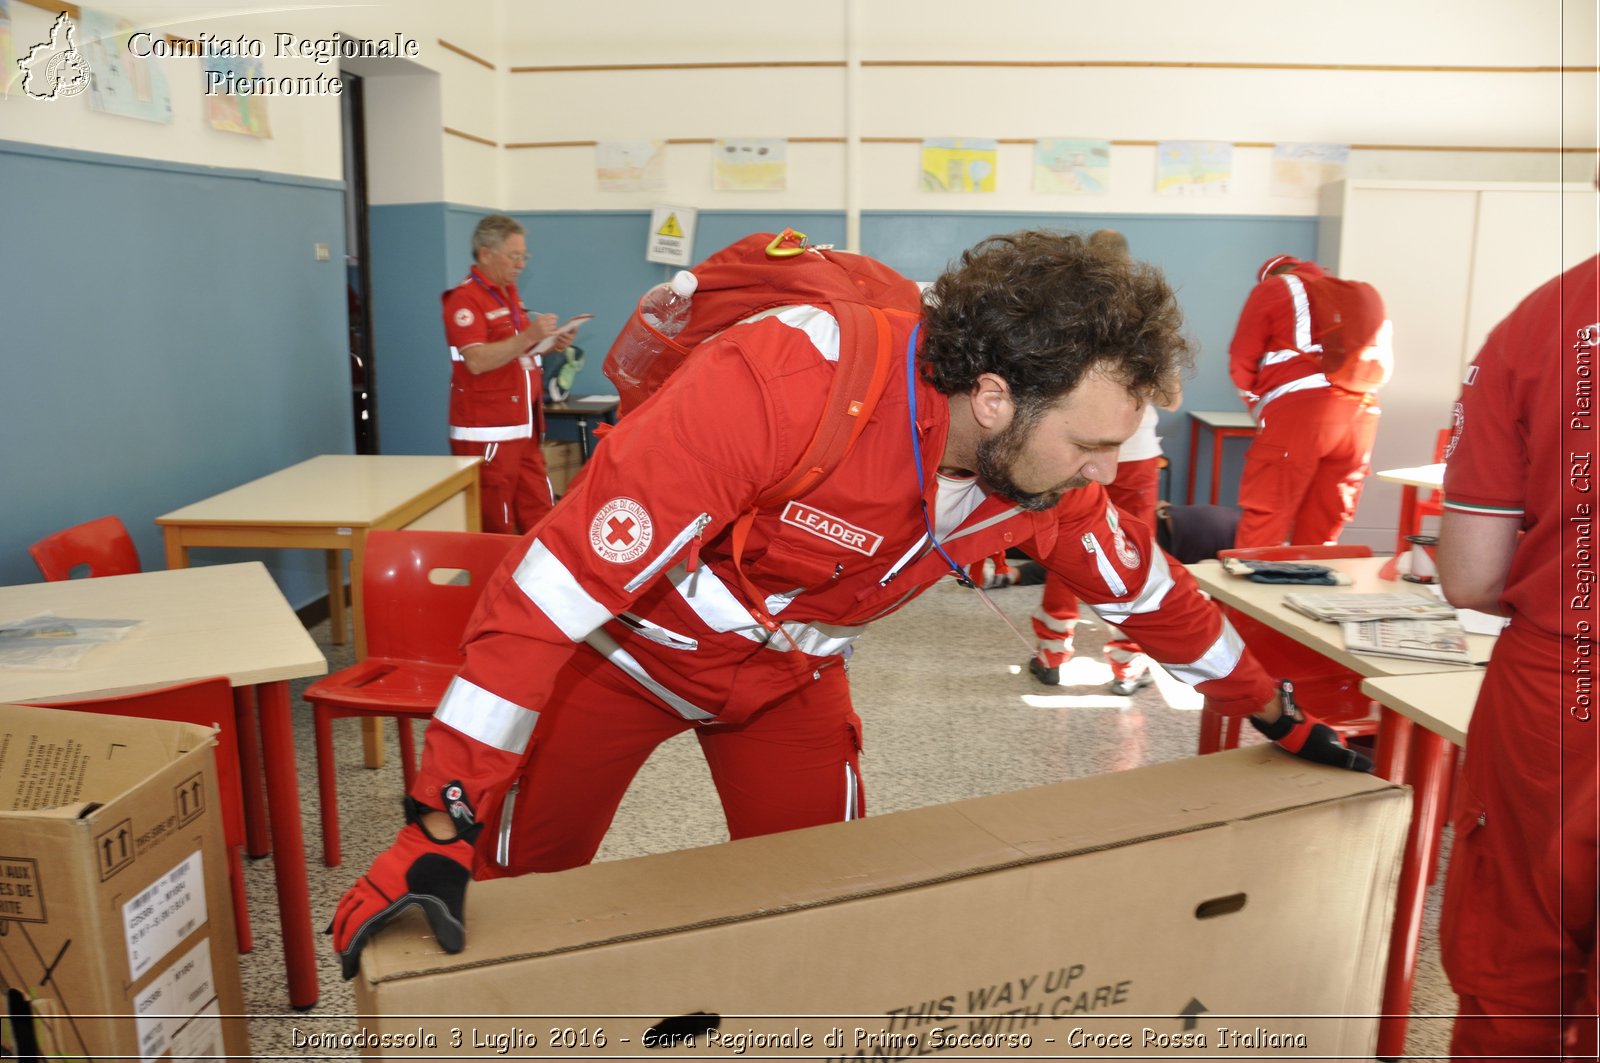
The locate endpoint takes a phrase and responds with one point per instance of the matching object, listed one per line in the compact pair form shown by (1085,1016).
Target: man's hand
(1306,736)
(420,868)
(539,328)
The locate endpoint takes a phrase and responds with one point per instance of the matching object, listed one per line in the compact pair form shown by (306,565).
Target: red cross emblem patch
(621,531)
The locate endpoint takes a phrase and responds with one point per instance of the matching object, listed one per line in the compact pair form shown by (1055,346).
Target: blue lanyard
(516,326)
(916,454)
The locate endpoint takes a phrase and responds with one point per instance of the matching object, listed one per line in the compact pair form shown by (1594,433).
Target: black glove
(1306,736)
(418,869)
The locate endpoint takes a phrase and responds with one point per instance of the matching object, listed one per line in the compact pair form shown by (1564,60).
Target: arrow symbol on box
(1191,1013)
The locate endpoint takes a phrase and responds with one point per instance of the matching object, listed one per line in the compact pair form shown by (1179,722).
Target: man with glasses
(496,386)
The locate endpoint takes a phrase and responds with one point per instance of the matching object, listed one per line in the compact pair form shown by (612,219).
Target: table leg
(288,844)
(177,553)
(583,439)
(256,842)
(1194,457)
(1408,522)
(336,611)
(1394,745)
(1218,437)
(1431,757)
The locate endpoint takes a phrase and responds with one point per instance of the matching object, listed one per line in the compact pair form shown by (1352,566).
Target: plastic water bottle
(666,308)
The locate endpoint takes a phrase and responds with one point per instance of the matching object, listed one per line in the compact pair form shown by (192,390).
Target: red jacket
(503,403)
(1267,356)
(643,536)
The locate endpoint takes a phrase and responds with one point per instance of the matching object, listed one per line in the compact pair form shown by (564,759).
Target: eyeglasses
(520,259)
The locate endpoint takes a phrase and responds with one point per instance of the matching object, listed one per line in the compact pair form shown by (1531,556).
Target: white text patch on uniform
(831,528)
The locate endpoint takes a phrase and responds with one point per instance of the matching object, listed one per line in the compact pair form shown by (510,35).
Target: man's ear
(992,406)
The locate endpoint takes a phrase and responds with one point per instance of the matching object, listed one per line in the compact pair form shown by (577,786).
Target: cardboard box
(1130,914)
(116,919)
(562,461)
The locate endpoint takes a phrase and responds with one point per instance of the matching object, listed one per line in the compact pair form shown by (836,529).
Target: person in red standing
(1517,929)
(496,388)
(1308,355)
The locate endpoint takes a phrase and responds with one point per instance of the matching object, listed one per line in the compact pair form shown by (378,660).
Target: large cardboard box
(562,462)
(1229,906)
(116,919)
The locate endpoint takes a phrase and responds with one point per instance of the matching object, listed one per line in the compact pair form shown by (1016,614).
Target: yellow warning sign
(670,228)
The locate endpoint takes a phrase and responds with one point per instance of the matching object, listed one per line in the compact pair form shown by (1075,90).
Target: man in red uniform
(496,390)
(1313,446)
(1517,932)
(625,620)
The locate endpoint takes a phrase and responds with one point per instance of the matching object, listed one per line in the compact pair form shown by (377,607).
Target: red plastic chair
(1326,689)
(1430,503)
(416,608)
(103,545)
(209,703)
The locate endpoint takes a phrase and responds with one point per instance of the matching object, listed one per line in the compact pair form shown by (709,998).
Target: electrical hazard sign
(671,240)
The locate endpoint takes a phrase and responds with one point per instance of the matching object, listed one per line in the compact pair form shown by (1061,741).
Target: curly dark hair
(1041,309)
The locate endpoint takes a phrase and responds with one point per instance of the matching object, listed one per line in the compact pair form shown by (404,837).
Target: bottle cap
(684,283)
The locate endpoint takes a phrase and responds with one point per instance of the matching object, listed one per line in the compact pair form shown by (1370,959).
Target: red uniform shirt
(1522,448)
(503,403)
(637,560)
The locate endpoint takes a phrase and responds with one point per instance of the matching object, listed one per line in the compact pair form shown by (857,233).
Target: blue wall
(167,336)
(593,262)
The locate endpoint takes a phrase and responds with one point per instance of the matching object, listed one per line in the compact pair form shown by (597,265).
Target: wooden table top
(1442,702)
(1223,418)
(1416,476)
(354,490)
(1264,602)
(195,622)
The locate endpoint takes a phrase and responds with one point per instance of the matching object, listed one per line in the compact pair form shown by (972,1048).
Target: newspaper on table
(1421,640)
(56,642)
(1384,605)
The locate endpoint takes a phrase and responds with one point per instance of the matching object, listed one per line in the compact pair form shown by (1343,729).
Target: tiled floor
(948,715)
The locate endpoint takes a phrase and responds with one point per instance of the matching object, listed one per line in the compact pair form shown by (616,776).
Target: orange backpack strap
(858,384)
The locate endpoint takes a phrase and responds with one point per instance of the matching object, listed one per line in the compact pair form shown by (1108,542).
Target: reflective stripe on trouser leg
(1055,638)
(852,793)
(508,808)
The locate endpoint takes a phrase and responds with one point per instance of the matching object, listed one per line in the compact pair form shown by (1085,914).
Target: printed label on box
(200,1039)
(21,895)
(177,996)
(159,919)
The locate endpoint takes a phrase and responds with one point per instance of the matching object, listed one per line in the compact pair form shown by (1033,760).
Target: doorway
(363,366)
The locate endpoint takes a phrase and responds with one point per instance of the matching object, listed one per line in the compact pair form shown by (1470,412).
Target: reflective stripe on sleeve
(486,717)
(492,434)
(559,596)
(1157,582)
(1217,662)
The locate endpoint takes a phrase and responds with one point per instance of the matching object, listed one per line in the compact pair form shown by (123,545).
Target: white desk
(195,623)
(589,408)
(329,503)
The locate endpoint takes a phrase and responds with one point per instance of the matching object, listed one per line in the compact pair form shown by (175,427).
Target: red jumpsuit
(1517,931)
(636,567)
(1313,446)
(498,414)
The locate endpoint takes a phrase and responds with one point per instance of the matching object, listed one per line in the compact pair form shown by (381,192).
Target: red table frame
(1220,433)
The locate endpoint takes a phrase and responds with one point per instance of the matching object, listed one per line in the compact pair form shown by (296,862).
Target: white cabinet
(1451,258)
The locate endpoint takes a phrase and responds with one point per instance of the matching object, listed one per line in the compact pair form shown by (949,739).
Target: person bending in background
(496,389)
(1135,491)
(626,618)
(1308,355)
(1517,930)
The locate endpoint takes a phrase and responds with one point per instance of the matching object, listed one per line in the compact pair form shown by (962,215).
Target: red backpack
(1348,318)
(763,271)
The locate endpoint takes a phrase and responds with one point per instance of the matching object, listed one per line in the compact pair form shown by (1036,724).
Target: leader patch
(831,528)
(621,531)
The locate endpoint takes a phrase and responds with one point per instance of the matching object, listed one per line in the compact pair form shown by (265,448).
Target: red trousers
(1304,471)
(1135,492)
(1517,931)
(790,766)
(512,482)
